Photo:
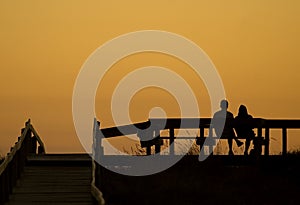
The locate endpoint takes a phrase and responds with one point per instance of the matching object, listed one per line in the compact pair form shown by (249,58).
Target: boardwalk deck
(54,179)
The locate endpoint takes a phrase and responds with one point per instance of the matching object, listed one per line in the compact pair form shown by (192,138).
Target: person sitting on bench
(227,131)
(243,127)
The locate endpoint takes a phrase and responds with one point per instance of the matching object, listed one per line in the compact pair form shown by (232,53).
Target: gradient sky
(43,44)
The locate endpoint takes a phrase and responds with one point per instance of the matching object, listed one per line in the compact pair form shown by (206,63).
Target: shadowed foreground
(66,179)
(253,179)
(54,179)
(218,180)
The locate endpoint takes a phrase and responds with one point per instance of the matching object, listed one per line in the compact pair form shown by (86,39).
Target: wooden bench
(233,126)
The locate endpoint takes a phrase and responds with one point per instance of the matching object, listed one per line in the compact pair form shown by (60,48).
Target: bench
(234,125)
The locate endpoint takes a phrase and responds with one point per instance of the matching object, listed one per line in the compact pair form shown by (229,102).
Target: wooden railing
(150,134)
(152,137)
(96,173)
(14,162)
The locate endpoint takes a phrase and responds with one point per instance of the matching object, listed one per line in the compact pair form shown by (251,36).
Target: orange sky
(253,44)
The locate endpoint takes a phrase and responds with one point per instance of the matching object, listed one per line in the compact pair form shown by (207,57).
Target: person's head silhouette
(224,104)
(243,110)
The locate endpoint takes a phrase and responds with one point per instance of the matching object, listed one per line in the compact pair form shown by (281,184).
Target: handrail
(41,149)
(125,129)
(171,124)
(189,123)
(14,162)
(13,150)
(97,194)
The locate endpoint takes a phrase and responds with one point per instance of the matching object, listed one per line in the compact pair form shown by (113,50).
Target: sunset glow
(253,44)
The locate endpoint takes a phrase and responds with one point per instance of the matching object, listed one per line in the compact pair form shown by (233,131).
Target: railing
(13,164)
(283,125)
(149,133)
(96,173)
(152,137)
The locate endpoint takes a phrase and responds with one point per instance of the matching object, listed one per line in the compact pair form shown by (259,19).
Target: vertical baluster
(172,137)
(96,151)
(267,140)
(259,135)
(33,142)
(158,140)
(212,141)
(201,140)
(148,150)
(284,141)
(259,131)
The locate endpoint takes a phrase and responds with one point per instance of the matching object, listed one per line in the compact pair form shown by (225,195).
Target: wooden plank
(60,157)
(55,184)
(181,122)
(186,123)
(123,130)
(282,123)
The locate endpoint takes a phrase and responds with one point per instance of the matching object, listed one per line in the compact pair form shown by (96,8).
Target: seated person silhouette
(243,126)
(228,131)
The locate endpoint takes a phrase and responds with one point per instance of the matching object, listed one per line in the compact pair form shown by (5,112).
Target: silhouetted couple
(243,130)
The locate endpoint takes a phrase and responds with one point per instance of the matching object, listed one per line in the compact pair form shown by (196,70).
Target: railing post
(146,135)
(41,150)
(157,141)
(209,140)
(284,141)
(267,140)
(201,131)
(148,150)
(260,141)
(172,137)
(259,131)
(27,142)
(33,143)
(15,161)
(96,147)
(201,138)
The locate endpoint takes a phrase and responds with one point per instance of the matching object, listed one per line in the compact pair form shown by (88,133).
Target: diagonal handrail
(14,162)
(14,149)
(36,135)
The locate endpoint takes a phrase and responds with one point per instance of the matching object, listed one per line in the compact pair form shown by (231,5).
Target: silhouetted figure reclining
(243,127)
(228,131)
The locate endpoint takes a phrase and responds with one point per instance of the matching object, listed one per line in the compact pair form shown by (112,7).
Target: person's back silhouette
(243,127)
(228,131)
